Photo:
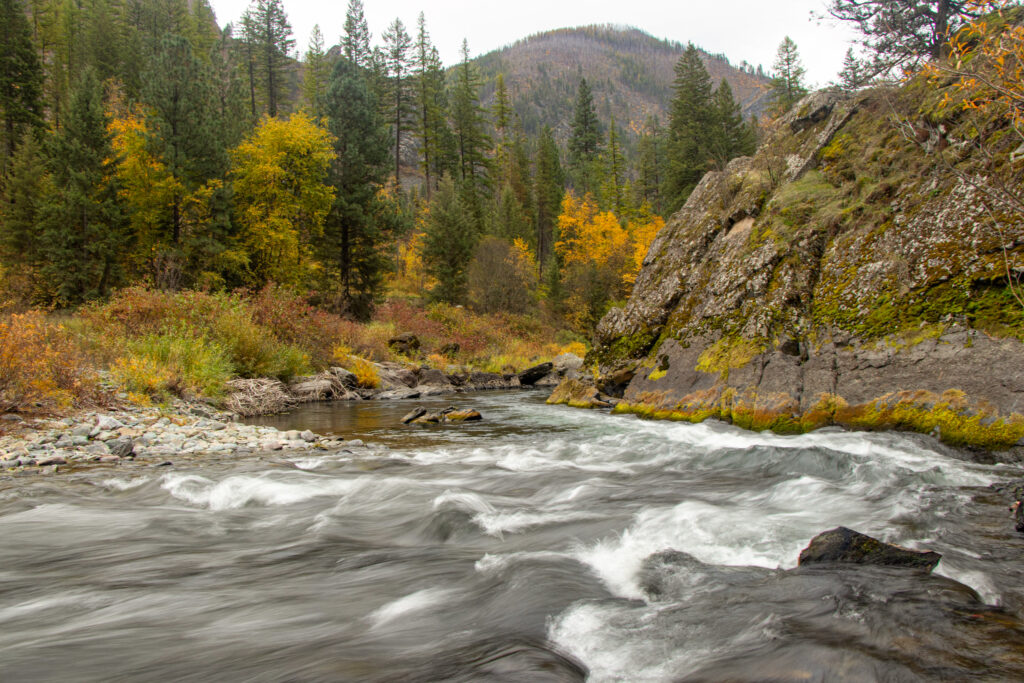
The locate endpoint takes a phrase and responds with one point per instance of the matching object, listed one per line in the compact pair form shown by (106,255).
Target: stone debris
(143,434)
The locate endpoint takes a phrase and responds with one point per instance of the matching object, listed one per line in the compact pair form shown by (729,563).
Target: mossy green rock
(846,546)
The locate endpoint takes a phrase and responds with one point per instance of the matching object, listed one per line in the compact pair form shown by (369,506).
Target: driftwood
(258,397)
(323,387)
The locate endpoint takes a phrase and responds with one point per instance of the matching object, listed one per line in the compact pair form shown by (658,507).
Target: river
(522,548)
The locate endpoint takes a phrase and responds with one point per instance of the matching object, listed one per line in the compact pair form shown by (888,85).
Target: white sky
(748,30)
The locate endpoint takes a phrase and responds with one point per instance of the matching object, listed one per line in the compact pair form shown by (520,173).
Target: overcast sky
(748,30)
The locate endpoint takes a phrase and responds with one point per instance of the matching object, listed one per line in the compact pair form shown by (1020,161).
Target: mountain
(629,71)
(843,275)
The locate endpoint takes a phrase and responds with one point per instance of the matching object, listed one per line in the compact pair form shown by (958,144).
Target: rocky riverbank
(157,436)
(142,436)
(396,381)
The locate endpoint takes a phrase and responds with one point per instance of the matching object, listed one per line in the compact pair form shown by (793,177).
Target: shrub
(40,367)
(174,361)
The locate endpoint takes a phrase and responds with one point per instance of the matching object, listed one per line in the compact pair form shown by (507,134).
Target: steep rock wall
(842,275)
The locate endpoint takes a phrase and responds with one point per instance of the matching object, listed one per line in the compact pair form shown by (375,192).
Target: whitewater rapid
(521,548)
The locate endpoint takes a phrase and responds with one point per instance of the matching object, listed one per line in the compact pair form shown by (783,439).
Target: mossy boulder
(846,546)
(577,394)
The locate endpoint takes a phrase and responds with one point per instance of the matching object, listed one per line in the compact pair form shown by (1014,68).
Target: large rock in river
(577,394)
(846,546)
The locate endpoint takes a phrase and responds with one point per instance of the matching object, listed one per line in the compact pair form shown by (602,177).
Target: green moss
(728,353)
(628,347)
(948,417)
(656,375)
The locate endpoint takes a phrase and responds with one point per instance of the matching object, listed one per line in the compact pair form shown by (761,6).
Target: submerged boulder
(449,414)
(846,546)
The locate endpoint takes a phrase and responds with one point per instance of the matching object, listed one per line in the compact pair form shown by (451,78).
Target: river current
(528,547)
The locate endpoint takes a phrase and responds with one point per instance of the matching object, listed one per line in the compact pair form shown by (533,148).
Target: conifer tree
(614,173)
(549,188)
(584,140)
(272,36)
(905,32)
(21,80)
(650,162)
(179,93)
(353,233)
(788,83)
(355,41)
(468,119)
(83,224)
(731,136)
(689,128)
(315,74)
(431,105)
(449,240)
(853,74)
(22,247)
(397,45)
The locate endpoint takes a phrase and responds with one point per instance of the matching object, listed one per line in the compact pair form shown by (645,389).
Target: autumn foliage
(41,369)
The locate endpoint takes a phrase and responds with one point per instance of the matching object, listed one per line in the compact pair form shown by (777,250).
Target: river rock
(398,394)
(845,546)
(566,362)
(308,436)
(106,423)
(81,430)
(348,379)
(577,394)
(432,376)
(11,417)
(122,448)
(51,460)
(464,415)
(414,414)
(406,343)
(531,376)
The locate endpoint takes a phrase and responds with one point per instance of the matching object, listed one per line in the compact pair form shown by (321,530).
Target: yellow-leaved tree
(281,198)
(642,230)
(597,257)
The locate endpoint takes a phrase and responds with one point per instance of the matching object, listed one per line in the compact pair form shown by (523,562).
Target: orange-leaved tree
(597,256)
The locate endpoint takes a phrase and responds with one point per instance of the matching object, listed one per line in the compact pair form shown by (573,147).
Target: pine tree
(431,105)
(788,82)
(549,188)
(315,74)
(353,234)
(449,242)
(397,45)
(83,224)
(355,42)
(689,128)
(22,247)
(179,93)
(614,173)
(650,164)
(731,136)
(21,80)
(853,74)
(271,33)
(501,109)
(905,32)
(584,140)
(468,119)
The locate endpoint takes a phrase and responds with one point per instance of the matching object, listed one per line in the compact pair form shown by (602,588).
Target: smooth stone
(414,414)
(846,546)
(122,447)
(107,423)
(82,430)
(52,460)
(308,436)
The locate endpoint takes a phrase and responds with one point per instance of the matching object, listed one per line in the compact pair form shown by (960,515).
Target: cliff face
(842,275)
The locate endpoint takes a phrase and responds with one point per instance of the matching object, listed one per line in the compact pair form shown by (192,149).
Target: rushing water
(523,548)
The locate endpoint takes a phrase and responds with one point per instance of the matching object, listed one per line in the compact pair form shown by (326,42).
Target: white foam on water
(497,563)
(264,489)
(465,501)
(408,604)
(978,580)
(498,523)
(125,484)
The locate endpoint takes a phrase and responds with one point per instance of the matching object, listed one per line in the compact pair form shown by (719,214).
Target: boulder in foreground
(577,394)
(846,546)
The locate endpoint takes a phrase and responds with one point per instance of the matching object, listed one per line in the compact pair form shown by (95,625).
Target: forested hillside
(630,72)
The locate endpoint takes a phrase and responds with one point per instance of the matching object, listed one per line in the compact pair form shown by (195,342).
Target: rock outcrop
(839,276)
